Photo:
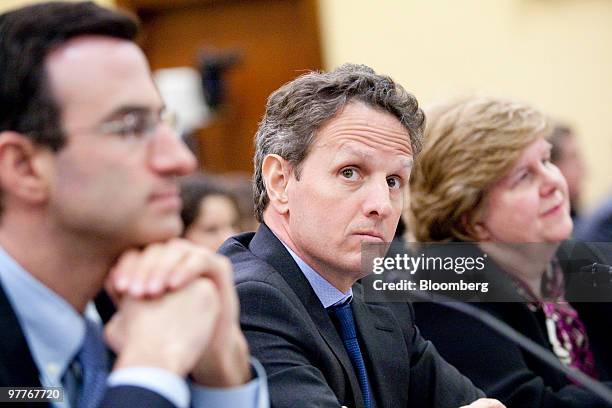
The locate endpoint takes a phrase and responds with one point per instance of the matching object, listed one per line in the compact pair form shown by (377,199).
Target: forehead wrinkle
(348,146)
(342,127)
(382,140)
(381,143)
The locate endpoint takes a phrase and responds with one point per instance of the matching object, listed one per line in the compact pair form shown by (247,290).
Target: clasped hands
(178,311)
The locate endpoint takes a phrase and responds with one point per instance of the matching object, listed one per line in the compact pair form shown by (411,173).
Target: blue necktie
(346,325)
(93,358)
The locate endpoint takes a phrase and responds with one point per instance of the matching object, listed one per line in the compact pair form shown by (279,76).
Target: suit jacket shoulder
(17,367)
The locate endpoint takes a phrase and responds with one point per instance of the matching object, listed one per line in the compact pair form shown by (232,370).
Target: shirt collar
(53,329)
(327,293)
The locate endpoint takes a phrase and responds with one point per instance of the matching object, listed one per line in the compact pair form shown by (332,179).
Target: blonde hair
(469,145)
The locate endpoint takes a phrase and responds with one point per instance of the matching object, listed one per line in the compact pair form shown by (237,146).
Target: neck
(341,280)
(526,262)
(71,266)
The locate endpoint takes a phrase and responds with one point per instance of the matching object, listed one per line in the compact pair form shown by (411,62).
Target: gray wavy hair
(299,108)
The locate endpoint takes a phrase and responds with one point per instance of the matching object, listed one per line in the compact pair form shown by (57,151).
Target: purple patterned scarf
(566,331)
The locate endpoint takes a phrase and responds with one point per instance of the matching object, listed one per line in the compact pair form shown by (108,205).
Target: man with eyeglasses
(87,173)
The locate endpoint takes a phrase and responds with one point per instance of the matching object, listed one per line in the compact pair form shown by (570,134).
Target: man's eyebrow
(406,162)
(350,150)
(125,109)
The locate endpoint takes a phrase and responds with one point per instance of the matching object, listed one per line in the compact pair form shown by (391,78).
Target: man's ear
(276,172)
(24,167)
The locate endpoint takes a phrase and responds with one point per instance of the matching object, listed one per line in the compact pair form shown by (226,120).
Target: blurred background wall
(554,54)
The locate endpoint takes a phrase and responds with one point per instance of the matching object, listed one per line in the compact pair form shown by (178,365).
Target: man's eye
(394,182)
(134,125)
(130,125)
(349,173)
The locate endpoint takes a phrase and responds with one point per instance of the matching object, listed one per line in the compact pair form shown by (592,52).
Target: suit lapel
(18,368)
(267,247)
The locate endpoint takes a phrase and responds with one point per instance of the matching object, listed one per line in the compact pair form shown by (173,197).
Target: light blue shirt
(327,293)
(54,331)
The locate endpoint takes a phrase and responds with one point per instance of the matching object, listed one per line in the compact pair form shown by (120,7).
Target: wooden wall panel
(278,39)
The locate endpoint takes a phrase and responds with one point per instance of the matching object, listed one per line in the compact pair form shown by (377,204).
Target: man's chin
(352,267)
(160,233)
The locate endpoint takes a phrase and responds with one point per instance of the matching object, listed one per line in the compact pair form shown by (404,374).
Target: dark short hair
(299,108)
(27,36)
(196,188)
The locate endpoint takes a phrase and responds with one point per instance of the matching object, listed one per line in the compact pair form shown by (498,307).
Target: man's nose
(377,199)
(169,153)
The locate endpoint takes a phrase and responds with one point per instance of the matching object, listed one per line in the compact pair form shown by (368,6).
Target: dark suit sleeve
(433,381)
(493,363)
(131,397)
(277,333)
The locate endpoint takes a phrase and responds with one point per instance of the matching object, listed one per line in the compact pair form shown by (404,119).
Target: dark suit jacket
(504,370)
(17,368)
(291,333)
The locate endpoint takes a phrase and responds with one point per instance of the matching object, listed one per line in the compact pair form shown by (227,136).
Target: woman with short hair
(485,175)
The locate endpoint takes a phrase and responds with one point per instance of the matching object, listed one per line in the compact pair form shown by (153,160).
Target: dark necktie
(343,315)
(93,358)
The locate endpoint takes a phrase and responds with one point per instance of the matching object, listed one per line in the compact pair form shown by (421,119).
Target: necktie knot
(346,323)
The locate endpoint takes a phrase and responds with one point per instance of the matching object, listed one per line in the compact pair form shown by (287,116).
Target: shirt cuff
(253,394)
(168,385)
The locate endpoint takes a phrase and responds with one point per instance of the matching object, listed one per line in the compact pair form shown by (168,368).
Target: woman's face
(217,220)
(530,204)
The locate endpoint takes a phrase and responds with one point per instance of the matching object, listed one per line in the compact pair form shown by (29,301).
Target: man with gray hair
(333,153)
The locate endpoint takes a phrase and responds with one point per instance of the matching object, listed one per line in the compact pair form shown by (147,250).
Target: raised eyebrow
(407,163)
(352,151)
(405,166)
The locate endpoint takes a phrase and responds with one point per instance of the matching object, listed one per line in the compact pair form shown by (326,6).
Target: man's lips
(167,198)
(370,235)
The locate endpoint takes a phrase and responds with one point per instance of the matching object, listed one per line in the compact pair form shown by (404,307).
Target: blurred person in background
(565,154)
(210,213)
(241,186)
(596,226)
(485,175)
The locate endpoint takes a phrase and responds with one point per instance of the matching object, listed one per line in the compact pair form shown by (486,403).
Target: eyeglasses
(139,124)
(136,125)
